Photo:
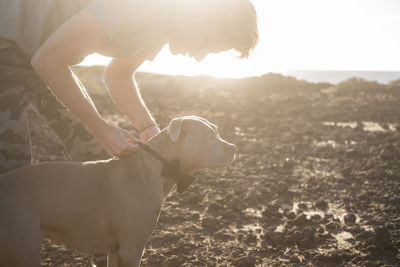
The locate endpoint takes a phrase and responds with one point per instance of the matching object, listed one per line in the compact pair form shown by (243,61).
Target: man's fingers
(131,141)
(130,149)
(127,150)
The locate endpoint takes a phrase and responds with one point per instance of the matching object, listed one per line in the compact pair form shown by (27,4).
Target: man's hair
(239,25)
(227,24)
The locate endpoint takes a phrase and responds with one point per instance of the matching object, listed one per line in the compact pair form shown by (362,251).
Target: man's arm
(118,78)
(79,36)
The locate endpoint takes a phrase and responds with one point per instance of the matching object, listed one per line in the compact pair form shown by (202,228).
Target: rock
(316,218)
(288,164)
(297,236)
(302,206)
(290,240)
(301,219)
(278,238)
(251,239)
(281,187)
(349,218)
(331,225)
(171,262)
(346,172)
(192,199)
(291,215)
(214,207)
(224,237)
(286,197)
(333,258)
(322,205)
(271,214)
(351,153)
(383,237)
(245,261)
(306,242)
(195,216)
(237,204)
(156,259)
(296,259)
(307,232)
(336,257)
(228,214)
(387,154)
(210,223)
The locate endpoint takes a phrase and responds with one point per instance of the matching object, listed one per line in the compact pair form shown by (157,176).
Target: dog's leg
(129,258)
(100,260)
(20,239)
(112,260)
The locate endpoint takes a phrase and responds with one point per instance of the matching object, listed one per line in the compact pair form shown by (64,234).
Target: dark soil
(317,181)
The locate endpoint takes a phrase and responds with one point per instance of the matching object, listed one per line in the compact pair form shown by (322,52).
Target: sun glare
(309,34)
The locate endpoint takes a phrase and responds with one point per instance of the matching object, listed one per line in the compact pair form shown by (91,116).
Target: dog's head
(198,144)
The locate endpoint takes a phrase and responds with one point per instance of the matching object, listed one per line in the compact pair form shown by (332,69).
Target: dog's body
(108,207)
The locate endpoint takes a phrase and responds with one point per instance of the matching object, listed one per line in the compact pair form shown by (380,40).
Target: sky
(359,35)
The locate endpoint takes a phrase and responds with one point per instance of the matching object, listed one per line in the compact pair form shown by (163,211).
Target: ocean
(337,76)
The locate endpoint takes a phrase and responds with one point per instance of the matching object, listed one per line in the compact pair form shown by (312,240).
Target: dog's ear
(174,129)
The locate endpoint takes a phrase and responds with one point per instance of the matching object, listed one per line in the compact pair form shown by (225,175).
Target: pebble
(210,223)
(281,187)
(171,262)
(291,215)
(301,219)
(331,225)
(245,261)
(237,204)
(305,242)
(382,237)
(192,199)
(214,207)
(278,238)
(322,205)
(316,218)
(251,239)
(302,206)
(297,236)
(307,232)
(349,218)
(295,259)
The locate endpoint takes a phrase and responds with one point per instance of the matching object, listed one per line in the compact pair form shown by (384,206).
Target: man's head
(198,144)
(200,27)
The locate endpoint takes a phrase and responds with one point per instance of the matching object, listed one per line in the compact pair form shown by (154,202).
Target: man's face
(196,39)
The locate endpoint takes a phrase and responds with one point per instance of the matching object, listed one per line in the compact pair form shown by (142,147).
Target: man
(39,40)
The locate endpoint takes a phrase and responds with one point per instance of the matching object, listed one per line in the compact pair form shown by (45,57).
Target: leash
(171,169)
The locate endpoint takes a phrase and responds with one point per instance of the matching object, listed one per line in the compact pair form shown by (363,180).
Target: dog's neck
(161,144)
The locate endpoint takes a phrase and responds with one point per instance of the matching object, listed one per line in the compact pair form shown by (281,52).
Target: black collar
(171,169)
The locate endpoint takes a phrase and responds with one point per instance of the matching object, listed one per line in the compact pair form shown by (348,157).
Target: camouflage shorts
(21,90)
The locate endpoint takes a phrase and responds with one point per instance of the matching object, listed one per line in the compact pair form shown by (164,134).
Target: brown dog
(110,206)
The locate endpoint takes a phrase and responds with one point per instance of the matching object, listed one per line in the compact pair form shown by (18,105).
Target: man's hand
(149,133)
(116,141)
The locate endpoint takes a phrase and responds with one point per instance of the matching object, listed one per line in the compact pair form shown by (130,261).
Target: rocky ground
(317,180)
